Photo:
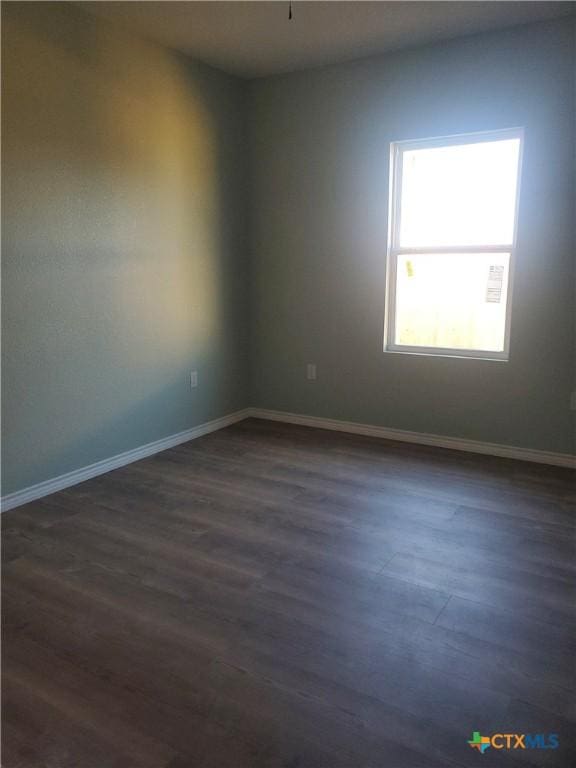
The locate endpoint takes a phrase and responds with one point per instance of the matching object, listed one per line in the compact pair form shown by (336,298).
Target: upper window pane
(463,194)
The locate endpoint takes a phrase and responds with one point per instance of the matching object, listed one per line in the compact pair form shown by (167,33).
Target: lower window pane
(452,300)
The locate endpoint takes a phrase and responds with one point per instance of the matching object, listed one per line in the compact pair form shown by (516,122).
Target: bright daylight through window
(452,241)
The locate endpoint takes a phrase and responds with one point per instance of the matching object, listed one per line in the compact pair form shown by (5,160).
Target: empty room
(288,384)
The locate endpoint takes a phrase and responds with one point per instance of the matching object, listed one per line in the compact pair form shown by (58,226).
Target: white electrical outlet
(311,371)
(193,379)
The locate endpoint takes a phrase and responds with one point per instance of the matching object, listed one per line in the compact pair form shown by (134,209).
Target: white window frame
(394,250)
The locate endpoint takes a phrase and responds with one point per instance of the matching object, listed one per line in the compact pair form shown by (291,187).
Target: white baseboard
(40,490)
(421,438)
(34,492)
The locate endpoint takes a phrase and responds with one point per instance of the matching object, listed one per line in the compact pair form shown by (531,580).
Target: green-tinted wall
(123,242)
(133,253)
(319,160)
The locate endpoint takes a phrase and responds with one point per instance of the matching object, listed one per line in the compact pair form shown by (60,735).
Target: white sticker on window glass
(494,287)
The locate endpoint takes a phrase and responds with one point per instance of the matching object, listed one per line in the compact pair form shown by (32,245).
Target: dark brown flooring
(274,596)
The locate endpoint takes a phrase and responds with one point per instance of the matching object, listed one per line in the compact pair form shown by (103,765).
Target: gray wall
(123,242)
(319,160)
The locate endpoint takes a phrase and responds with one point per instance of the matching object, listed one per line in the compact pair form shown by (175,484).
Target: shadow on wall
(122,242)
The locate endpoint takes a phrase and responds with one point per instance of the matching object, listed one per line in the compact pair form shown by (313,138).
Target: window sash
(390,344)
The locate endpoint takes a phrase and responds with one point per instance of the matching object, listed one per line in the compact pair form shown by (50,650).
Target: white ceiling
(255,39)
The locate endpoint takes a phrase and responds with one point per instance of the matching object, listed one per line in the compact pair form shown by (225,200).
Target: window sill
(465,354)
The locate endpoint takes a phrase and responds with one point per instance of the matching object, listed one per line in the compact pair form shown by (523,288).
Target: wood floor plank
(542,597)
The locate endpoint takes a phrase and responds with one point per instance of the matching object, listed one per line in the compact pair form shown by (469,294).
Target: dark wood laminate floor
(274,596)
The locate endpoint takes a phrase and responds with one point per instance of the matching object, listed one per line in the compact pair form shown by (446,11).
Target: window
(453,204)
